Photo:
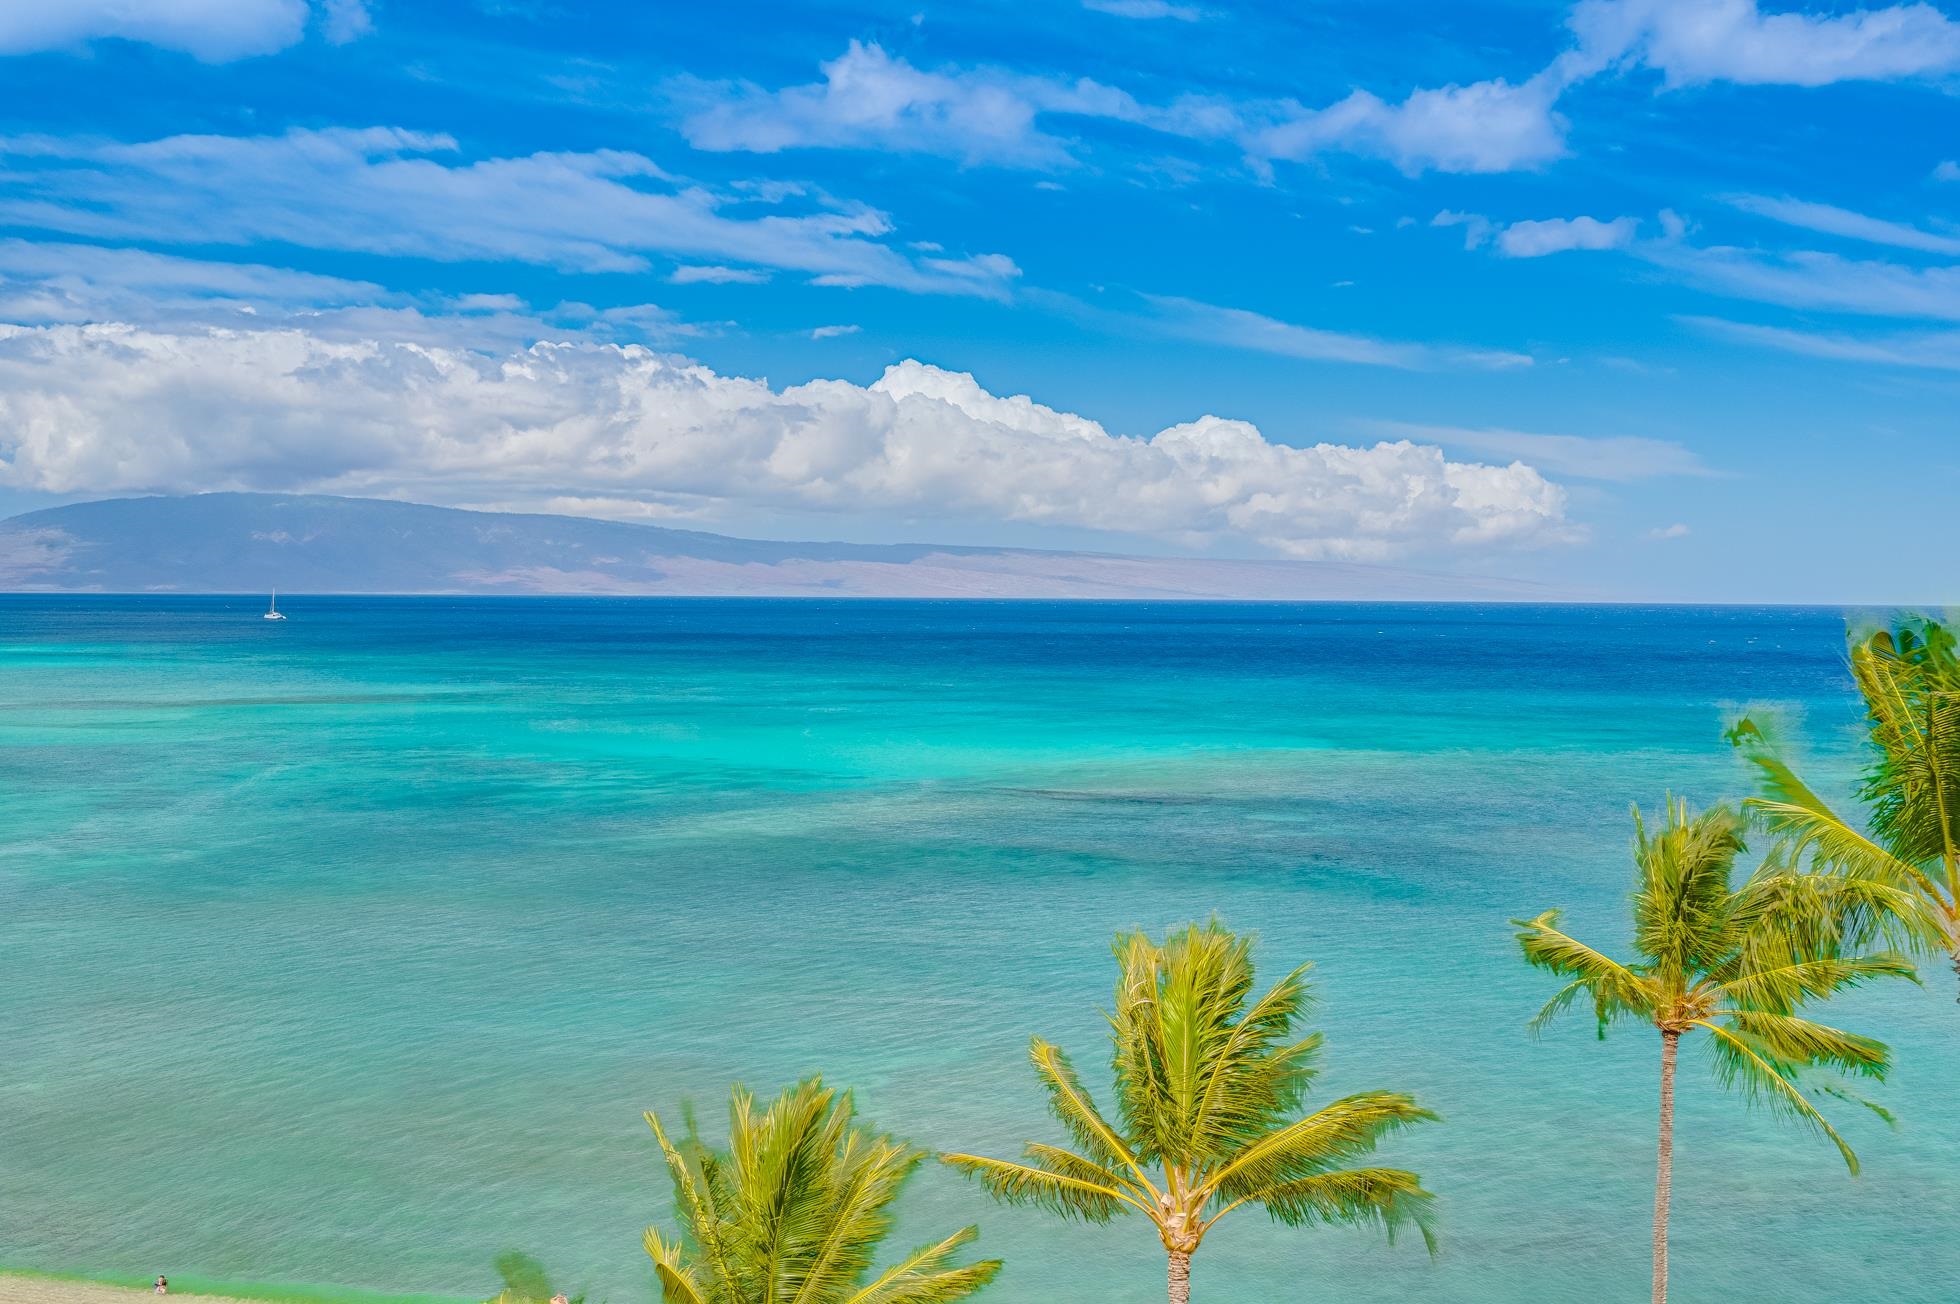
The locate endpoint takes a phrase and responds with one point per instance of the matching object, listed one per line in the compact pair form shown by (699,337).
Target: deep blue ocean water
(349,949)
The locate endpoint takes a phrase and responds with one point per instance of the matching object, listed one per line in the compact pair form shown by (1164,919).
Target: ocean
(349,949)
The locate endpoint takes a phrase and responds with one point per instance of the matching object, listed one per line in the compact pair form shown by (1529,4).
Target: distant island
(313,543)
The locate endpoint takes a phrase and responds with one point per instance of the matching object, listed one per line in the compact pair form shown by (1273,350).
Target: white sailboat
(272,610)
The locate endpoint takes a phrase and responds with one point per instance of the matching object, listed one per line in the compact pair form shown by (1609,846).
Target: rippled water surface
(349,949)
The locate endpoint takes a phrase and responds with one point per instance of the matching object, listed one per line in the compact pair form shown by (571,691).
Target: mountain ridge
(318,543)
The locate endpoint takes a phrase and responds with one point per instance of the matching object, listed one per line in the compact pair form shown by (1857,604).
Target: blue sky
(1641,298)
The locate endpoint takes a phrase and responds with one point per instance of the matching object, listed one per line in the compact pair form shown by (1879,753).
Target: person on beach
(163,1285)
(559,1298)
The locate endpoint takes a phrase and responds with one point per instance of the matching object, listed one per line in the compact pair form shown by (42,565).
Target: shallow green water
(350,949)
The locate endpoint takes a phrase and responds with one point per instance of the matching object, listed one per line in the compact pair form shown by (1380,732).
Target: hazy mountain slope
(238,543)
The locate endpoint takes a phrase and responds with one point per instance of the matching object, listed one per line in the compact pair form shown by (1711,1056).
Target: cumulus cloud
(1487,126)
(1696,41)
(215,31)
(1539,237)
(1843,222)
(389,191)
(1535,239)
(868,98)
(118,408)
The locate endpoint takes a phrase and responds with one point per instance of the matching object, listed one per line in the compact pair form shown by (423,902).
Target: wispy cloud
(1145,9)
(1674,531)
(1238,328)
(1595,457)
(833,332)
(390,191)
(697,274)
(1934,350)
(1810,279)
(1843,222)
(1947,171)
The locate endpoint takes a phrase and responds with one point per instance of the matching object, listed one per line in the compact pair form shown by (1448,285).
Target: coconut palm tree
(1909,677)
(1209,1083)
(794,1211)
(1733,962)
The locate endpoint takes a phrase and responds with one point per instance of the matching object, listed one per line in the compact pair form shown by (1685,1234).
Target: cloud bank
(119,408)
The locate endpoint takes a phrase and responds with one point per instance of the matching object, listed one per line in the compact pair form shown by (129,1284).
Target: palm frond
(1332,1135)
(1743,1061)
(922,1278)
(1071,1103)
(1031,1184)
(1388,1197)
(1783,988)
(678,1284)
(1616,990)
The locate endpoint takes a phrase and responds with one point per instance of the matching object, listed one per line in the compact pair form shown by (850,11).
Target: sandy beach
(45,1290)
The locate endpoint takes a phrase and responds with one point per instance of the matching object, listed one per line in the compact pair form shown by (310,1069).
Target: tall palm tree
(1209,1084)
(1909,677)
(1734,962)
(794,1210)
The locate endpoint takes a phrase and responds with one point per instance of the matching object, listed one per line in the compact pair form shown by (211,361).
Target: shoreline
(30,1286)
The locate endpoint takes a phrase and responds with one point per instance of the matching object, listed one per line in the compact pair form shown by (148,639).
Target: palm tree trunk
(1180,1277)
(1664,1168)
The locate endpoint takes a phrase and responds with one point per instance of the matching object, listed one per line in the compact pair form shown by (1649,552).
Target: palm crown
(1738,963)
(1910,680)
(795,1210)
(1209,1083)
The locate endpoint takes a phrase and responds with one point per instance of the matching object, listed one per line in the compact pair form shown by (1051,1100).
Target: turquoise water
(350,949)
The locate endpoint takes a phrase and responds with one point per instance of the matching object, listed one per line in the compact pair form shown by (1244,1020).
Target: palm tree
(1910,680)
(1209,1084)
(794,1211)
(1733,962)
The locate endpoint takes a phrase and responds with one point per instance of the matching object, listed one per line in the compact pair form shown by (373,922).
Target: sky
(1641,299)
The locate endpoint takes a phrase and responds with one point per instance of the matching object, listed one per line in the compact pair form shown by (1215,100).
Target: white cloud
(1145,9)
(212,30)
(1844,222)
(1555,235)
(1696,41)
(1674,531)
(115,408)
(346,20)
(1488,126)
(833,332)
(1947,171)
(1241,329)
(390,191)
(1609,457)
(868,98)
(710,275)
